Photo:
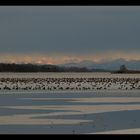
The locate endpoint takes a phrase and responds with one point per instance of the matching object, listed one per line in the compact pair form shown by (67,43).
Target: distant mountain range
(83,66)
(108,65)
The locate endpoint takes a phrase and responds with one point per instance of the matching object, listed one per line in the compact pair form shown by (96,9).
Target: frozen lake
(63,112)
(31,103)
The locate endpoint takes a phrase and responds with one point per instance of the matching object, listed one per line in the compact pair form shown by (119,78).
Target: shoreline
(69,91)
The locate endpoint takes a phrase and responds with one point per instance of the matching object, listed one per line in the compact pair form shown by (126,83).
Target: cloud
(43,58)
(75,33)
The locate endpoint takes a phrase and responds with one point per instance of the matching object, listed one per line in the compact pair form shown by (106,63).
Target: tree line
(4,67)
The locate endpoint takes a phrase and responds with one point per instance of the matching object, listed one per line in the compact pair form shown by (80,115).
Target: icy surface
(65,112)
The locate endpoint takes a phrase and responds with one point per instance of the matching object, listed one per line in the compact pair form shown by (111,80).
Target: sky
(62,34)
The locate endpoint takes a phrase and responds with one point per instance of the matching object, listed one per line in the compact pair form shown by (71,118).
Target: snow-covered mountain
(107,65)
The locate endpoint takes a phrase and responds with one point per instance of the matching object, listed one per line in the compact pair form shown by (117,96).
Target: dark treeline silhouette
(38,68)
(123,69)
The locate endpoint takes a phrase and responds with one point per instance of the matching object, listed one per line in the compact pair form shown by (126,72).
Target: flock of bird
(69,83)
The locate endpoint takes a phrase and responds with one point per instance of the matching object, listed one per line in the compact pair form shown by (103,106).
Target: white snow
(69,81)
